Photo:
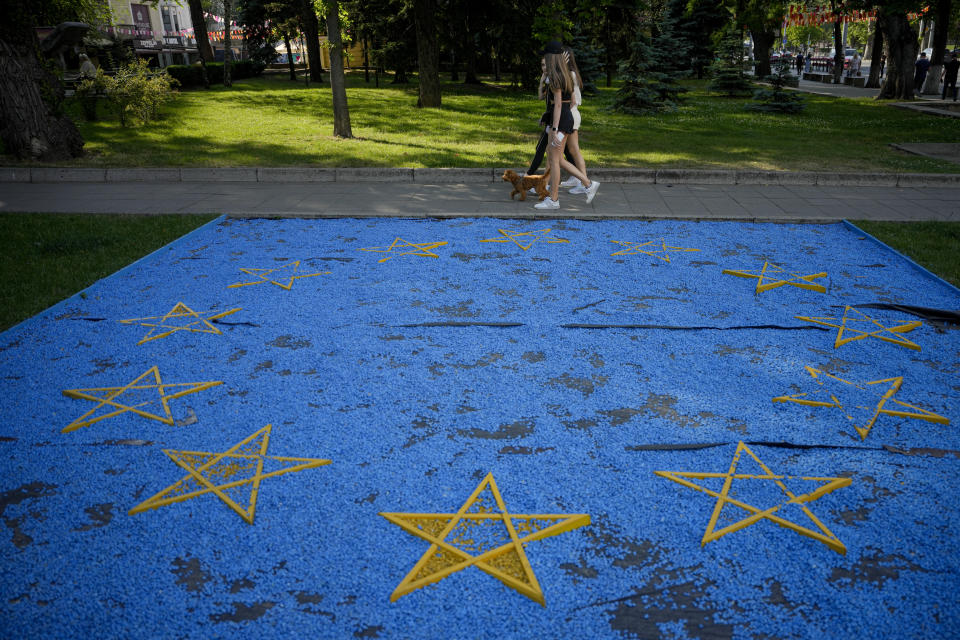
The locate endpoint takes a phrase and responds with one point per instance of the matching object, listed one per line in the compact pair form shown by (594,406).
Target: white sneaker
(532,191)
(592,191)
(547,203)
(578,189)
(570,182)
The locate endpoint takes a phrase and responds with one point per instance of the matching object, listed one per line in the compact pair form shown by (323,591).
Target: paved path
(329,199)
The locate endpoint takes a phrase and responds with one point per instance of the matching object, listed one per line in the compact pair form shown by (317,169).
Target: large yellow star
(840,391)
(532,236)
(482,527)
(636,248)
(167,324)
(765,281)
(395,248)
(852,315)
(107,397)
(263,275)
(228,475)
(822,534)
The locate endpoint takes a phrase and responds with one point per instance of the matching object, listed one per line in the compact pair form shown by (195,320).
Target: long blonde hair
(559,72)
(572,62)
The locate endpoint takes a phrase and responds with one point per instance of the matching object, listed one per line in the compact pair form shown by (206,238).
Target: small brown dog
(522,183)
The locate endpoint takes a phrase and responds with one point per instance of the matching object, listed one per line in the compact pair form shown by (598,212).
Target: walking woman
(572,151)
(561,86)
(544,94)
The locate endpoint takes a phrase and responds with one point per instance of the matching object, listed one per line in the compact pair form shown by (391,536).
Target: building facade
(161,32)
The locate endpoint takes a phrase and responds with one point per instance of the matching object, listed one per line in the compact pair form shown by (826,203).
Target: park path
(777,203)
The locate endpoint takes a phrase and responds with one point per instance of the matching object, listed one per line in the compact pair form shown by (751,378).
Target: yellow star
(827,485)
(853,405)
(262,274)
(107,397)
(533,236)
(858,334)
(765,282)
(246,463)
(422,249)
(636,248)
(483,527)
(165,327)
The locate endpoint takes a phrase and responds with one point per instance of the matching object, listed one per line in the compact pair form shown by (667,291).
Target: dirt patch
(518,429)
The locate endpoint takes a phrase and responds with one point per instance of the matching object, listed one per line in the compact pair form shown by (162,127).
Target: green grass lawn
(935,245)
(271,121)
(45,258)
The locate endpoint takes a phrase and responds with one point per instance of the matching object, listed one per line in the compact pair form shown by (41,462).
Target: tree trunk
(341,113)
(940,27)
(311,33)
(428,52)
(902,46)
(200,30)
(366,61)
(873,82)
(608,48)
(227,42)
(762,44)
(470,49)
(28,127)
(293,69)
(838,57)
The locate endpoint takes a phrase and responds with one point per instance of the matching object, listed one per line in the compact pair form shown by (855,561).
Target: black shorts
(566,119)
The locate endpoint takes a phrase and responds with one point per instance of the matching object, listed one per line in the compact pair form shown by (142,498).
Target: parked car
(848,54)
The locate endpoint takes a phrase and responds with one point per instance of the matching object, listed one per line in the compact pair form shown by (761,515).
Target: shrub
(134,88)
(88,91)
(776,100)
(727,69)
(190,76)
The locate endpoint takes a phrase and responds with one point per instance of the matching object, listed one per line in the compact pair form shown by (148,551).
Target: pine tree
(776,99)
(588,61)
(727,71)
(650,73)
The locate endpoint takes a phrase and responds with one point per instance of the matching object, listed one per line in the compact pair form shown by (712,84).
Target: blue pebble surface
(569,373)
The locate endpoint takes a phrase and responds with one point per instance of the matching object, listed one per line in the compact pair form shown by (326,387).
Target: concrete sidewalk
(690,200)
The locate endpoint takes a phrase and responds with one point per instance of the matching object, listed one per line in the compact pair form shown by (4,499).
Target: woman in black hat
(562,126)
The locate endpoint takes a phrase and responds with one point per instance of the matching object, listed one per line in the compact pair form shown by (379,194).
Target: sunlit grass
(271,121)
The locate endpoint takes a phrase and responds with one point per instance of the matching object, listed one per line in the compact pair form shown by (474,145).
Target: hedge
(192,75)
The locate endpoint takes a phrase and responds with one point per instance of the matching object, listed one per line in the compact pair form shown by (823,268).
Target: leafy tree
(618,31)
(728,73)
(264,22)
(802,36)
(941,24)
(341,113)
(901,44)
(428,53)
(200,31)
(32,125)
(764,19)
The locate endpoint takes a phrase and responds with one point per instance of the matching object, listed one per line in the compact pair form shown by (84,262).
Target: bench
(817,77)
(855,81)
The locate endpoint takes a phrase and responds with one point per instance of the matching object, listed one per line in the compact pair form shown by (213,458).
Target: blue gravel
(569,373)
